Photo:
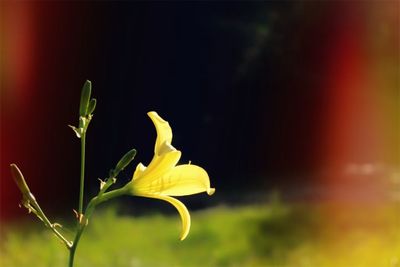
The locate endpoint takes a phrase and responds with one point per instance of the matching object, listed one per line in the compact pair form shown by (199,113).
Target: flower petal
(180,181)
(157,168)
(140,168)
(183,212)
(164,132)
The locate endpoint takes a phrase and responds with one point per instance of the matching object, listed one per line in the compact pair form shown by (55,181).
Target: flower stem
(29,202)
(82,183)
(88,213)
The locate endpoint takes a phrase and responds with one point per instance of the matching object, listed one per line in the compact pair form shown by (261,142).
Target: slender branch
(82,181)
(29,202)
(50,225)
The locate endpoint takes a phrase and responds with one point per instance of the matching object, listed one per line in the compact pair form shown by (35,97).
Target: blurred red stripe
(18,84)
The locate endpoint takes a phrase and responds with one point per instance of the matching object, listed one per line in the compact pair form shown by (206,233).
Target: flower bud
(92,105)
(124,161)
(85,98)
(19,179)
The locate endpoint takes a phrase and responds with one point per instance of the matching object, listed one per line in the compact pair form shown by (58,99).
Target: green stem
(47,222)
(88,213)
(82,184)
(29,202)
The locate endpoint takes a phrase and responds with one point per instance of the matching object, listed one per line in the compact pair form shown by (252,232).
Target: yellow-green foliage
(264,235)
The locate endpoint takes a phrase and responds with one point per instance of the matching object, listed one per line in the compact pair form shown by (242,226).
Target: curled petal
(183,212)
(164,132)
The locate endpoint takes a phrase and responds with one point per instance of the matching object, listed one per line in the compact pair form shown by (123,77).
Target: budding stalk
(19,179)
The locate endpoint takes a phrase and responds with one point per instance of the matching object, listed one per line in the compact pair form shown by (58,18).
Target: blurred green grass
(257,235)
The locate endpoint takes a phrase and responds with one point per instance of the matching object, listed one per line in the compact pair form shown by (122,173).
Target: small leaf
(78,131)
(92,105)
(54,225)
(102,183)
(85,97)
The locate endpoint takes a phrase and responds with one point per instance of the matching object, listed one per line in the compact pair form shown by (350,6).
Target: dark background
(246,88)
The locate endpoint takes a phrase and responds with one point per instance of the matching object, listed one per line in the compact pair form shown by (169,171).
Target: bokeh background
(296,102)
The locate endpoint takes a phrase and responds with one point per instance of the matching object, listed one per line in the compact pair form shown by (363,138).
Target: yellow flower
(162,179)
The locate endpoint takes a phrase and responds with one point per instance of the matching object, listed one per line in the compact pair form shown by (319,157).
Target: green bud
(92,105)
(124,161)
(19,179)
(85,97)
